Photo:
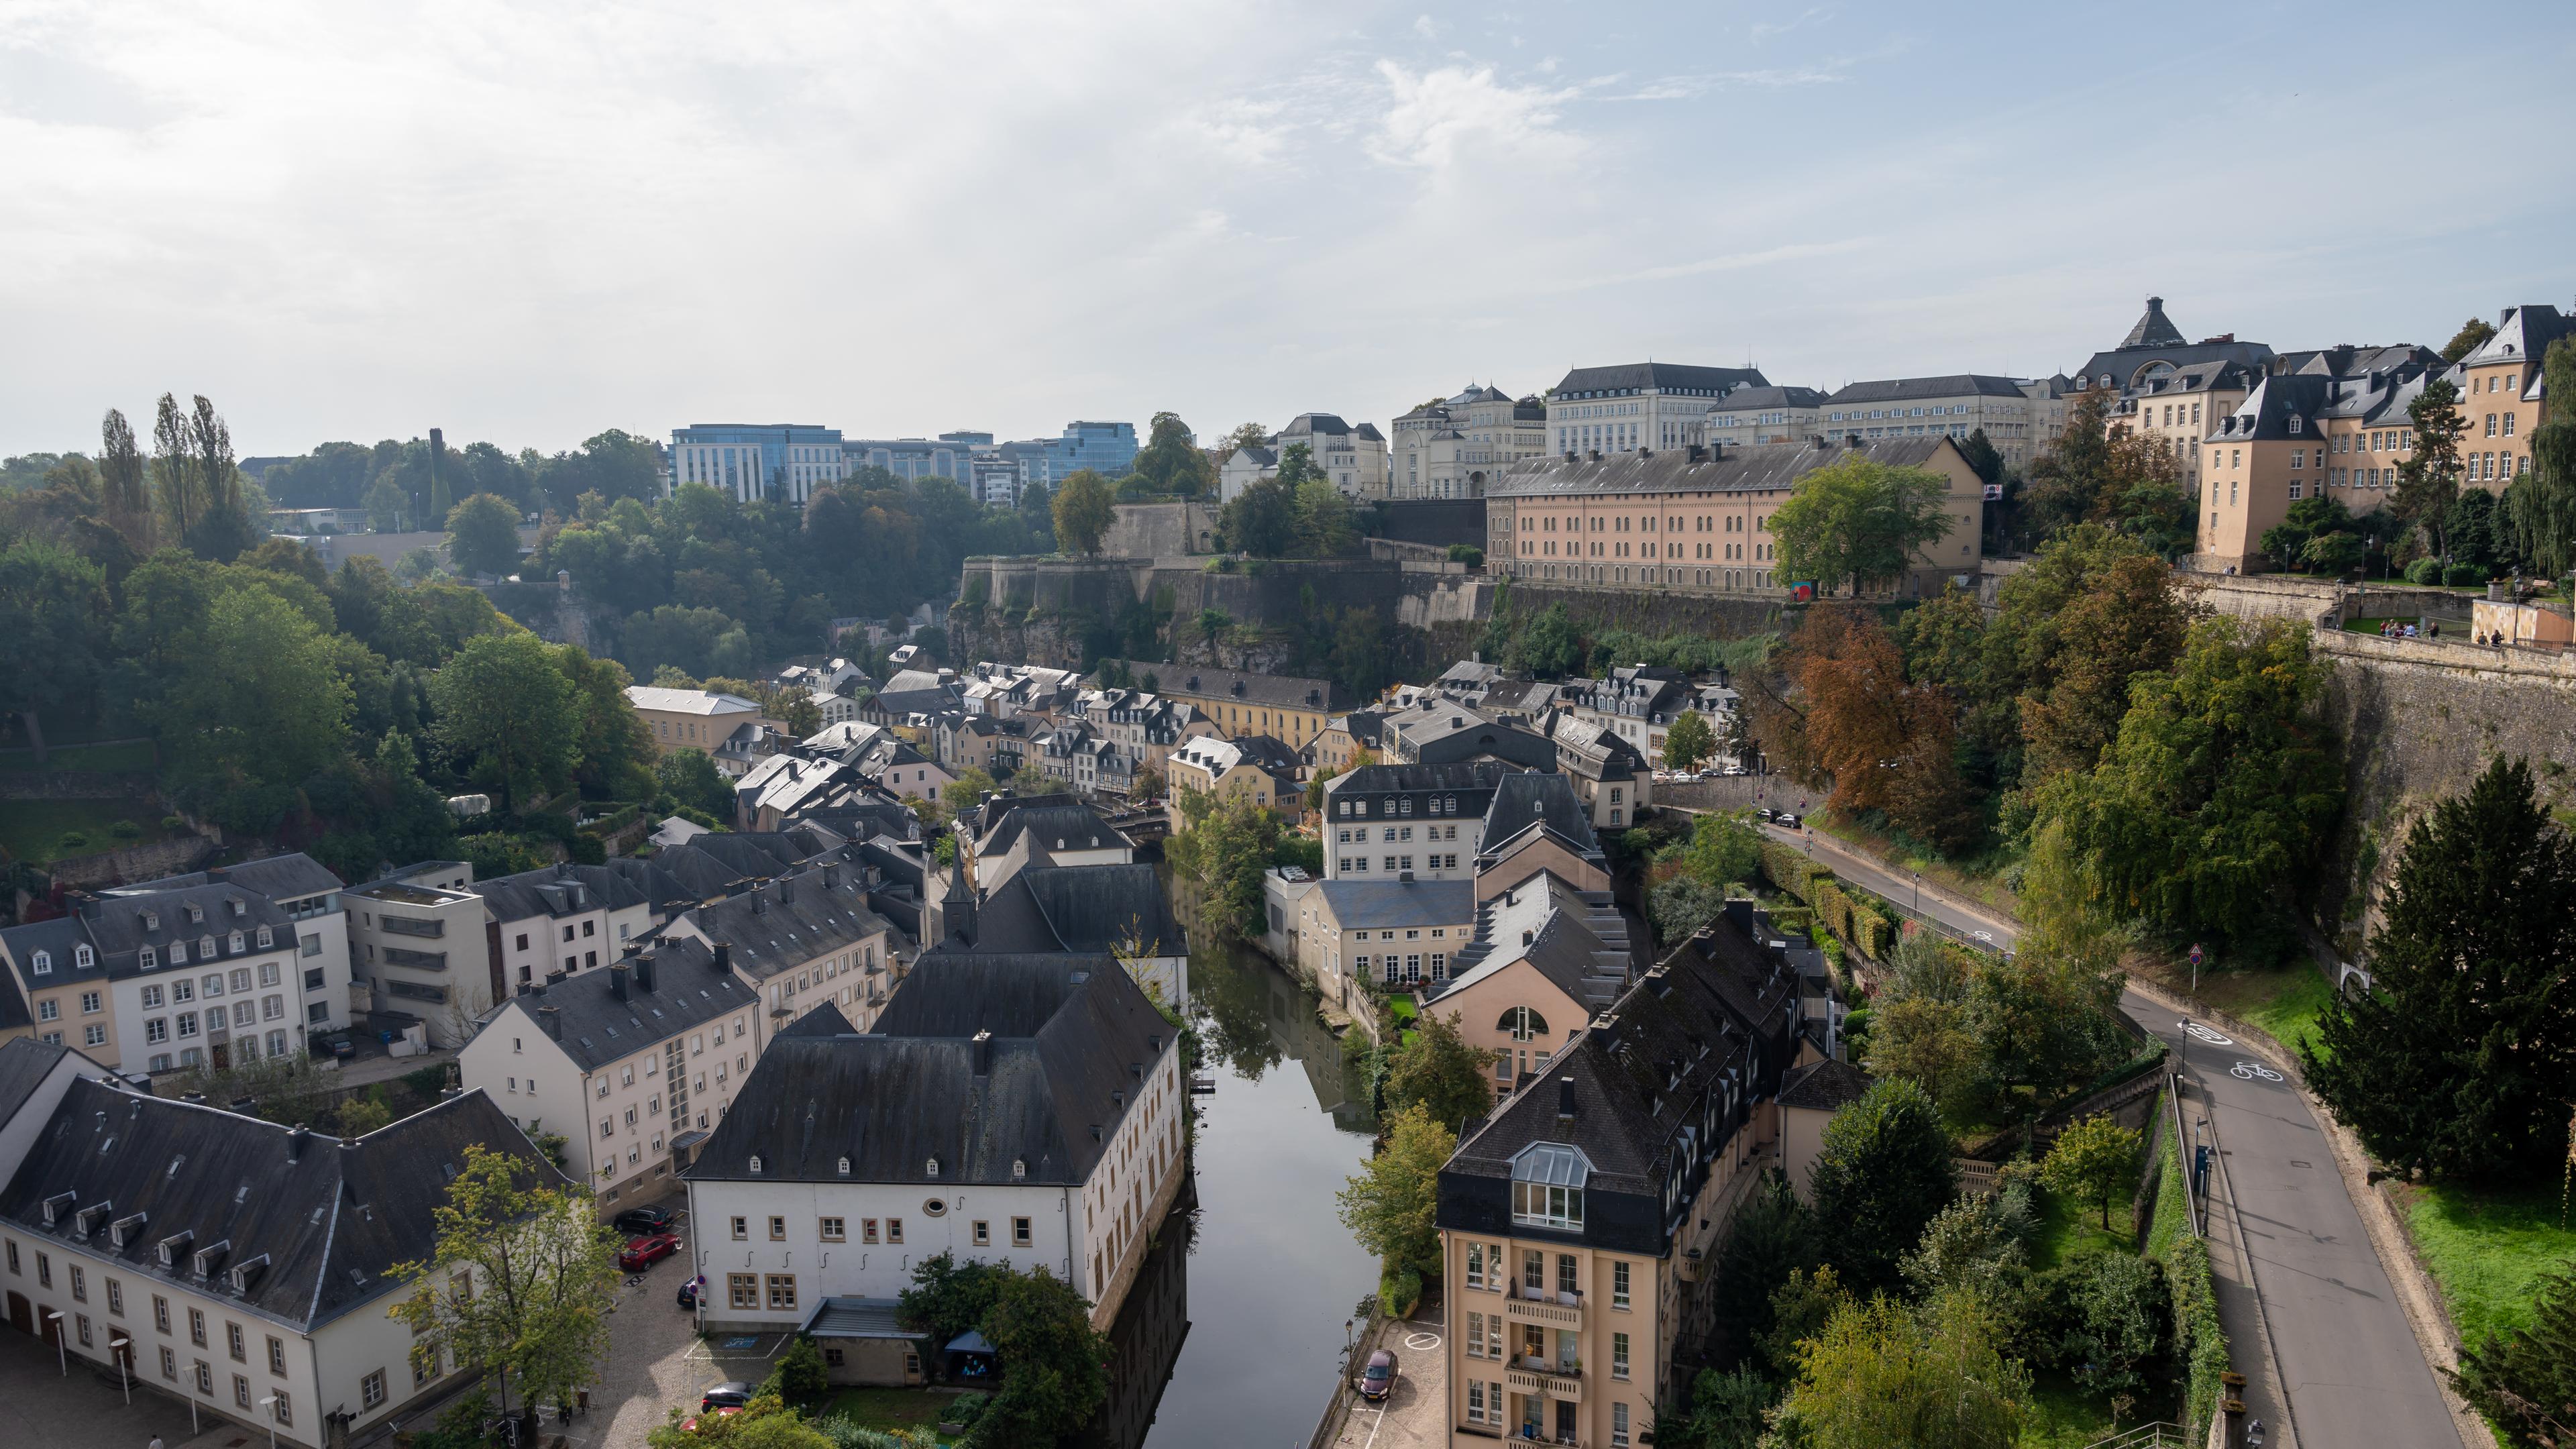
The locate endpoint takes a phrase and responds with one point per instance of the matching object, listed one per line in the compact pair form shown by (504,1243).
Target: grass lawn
(2285,1001)
(134,757)
(2064,1416)
(889,1408)
(1402,1007)
(32,830)
(2487,1249)
(1973,879)
(2067,1225)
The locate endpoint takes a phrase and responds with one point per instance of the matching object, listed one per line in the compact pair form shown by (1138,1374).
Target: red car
(647,1250)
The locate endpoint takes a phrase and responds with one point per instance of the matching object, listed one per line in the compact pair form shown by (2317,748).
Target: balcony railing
(1536,1376)
(406,926)
(1539,1310)
(416,960)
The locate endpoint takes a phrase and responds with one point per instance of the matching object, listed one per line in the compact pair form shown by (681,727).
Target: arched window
(1523,1024)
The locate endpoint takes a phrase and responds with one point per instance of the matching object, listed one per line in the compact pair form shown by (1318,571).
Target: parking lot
(1416,1415)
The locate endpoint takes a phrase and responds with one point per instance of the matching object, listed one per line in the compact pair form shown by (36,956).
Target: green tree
(258,706)
(1883,1172)
(2093,1159)
(1925,1042)
(1170,463)
(2473,334)
(692,779)
(969,788)
(53,614)
(2042,1018)
(386,505)
(542,1272)
(2219,792)
(483,536)
(948,1297)
(1723,851)
(2461,1059)
(613,747)
(2525,1381)
(1438,1072)
(2119,1312)
(2542,503)
(175,488)
(1224,847)
(2072,633)
(1085,506)
(122,477)
(1055,1373)
(1389,1204)
(1690,742)
(1774,1237)
(1859,521)
(1881,1374)
(1727,1411)
(1982,457)
(504,706)
(1545,647)
(2428,477)
(1262,520)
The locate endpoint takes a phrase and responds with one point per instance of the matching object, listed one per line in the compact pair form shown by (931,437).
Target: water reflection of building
(1244,996)
(1145,1339)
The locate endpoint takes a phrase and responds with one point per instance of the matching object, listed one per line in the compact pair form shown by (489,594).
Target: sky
(531,221)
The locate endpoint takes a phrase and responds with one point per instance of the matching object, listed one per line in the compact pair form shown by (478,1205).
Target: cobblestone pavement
(39,1404)
(1416,1415)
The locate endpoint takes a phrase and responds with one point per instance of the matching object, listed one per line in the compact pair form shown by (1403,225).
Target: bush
(73,840)
(587,850)
(125,830)
(1399,1292)
(1468,554)
(800,1376)
(2424,571)
(2461,576)
(174,822)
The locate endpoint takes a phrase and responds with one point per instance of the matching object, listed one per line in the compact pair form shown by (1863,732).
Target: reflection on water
(1234,1332)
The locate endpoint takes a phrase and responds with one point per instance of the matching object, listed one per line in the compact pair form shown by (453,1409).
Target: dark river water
(1234,1333)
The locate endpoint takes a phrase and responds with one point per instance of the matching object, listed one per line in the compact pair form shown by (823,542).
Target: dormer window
(932,1167)
(152,920)
(845,1167)
(149,957)
(178,953)
(1547,1186)
(83,957)
(205,948)
(196,914)
(267,937)
(755,1162)
(1019,1167)
(240,907)
(41,964)
(2297,423)
(236,944)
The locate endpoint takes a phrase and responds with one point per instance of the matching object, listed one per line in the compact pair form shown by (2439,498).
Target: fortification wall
(1161,530)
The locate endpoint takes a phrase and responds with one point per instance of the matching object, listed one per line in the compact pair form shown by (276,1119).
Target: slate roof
(1072,1039)
(2153,328)
(313,1224)
(1775,467)
(787,923)
(1593,749)
(597,1028)
(278,877)
(1537,798)
(1907,389)
(1378,904)
(1667,376)
(858,1318)
(689,701)
(1084,909)
(1278,691)
(24,1064)
(1752,398)
(563,889)
(1054,822)
(1823,1086)
(1478,775)
(117,928)
(1368,432)
(824,1020)
(2523,334)
(13,1008)
(1576,939)
(2123,364)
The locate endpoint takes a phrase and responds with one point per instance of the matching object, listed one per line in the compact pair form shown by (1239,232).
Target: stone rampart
(1178,529)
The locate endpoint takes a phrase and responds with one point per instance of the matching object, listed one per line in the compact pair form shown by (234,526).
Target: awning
(857,1318)
(689,1139)
(971,1342)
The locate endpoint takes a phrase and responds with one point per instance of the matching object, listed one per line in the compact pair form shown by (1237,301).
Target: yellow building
(1257,768)
(2300,435)
(1291,709)
(2500,393)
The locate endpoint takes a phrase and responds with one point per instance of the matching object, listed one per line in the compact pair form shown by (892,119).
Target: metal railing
(2158,1435)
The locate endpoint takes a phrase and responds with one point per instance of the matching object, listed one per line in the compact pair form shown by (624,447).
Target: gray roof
(2123,364)
(1306,425)
(564,889)
(1278,691)
(1733,470)
(278,877)
(1906,389)
(597,1028)
(1067,822)
(116,928)
(1823,1086)
(1382,903)
(2523,334)
(1772,397)
(1475,775)
(1084,909)
(857,1318)
(2153,328)
(1666,376)
(1576,939)
(24,1063)
(315,1226)
(787,923)
(1535,798)
(1072,1038)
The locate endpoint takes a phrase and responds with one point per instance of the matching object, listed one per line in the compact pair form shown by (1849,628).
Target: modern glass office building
(785,461)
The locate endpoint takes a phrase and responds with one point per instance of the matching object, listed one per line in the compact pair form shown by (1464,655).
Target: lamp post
(62,1359)
(270,1404)
(1918,892)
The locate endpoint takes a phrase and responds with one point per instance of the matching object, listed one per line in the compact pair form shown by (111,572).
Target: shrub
(2461,576)
(1399,1291)
(73,840)
(125,830)
(800,1375)
(2424,571)
(1468,554)
(174,822)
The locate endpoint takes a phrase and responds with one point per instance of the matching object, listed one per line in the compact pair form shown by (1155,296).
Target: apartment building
(803,941)
(2300,435)
(242,1266)
(1759,416)
(2501,397)
(1010,832)
(1545,958)
(1373,814)
(1439,731)
(2176,408)
(2018,415)
(163,980)
(1394,933)
(1448,448)
(419,942)
(1608,774)
(1147,726)
(1638,703)
(1259,768)
(1237,703)
(1011,1109)
(1537,824)
(1343,738)
(785,461)
(697,719)
(1353,456)
(1698,521)
(1657,405)
(1116,909)
(633,1066)
(565,919)
(1578,1221)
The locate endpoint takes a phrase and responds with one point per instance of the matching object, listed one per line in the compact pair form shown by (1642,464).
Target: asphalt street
(2354,1373)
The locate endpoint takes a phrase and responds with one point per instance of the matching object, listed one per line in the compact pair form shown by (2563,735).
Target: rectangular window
(241,1391)
(782,1290)
(894,1230)
(233,1340)
(1618,1285)
(160,1313)
(743,1289)
(777,1229)
(1475,1401)
(867,1230)
(1565,1273)
(833,1230)
(1618,1355)
(285,1408)
(1475,1335)
(1619,1426)
(169,1364)
(1475,1265)
(741,1228)
(371,1390)
(205,1378)
(80,1284)
(1021,1236)
(277,1356)
(983,1233)
(197,1327)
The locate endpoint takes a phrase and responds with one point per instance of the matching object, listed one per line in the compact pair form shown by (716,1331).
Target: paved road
(2354,1371)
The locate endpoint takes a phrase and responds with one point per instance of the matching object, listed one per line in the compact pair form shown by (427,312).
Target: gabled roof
(1478,775)
(562,889)
(314,1226)
(1277,691)
(689,701)
(1306,425)
(787,923)
(1907,389)
(1053,822)
(278,877)
(595,1028)
(1576,939)
(2523,334)
(1539,799)
(1823,1085)
(1081,909)
(1378,904)
(1667,376)
(1072,1038)
(117,928)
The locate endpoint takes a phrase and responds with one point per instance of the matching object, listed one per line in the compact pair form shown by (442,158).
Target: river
(1246,1297)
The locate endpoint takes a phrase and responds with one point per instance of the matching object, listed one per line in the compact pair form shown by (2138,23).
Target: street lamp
(1918,892)
(62,1359)
(270,1404)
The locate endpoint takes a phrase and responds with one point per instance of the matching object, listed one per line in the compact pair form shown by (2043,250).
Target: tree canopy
(1883,1173)
(483,535)
(1857,521)
(1084,508)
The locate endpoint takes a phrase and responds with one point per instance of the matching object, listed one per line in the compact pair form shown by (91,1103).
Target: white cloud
(1433,115)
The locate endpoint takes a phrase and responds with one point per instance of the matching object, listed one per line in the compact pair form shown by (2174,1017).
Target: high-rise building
(785,461)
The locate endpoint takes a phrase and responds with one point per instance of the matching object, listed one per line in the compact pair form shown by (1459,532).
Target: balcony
(1527,1305)
(416,960)
(406,926)
(1558,1380)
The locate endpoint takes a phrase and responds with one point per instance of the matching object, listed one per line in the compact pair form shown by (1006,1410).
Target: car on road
(647,1250)
(636,1221)
(690,1290)
(1986,936)
(732,1394)
(1378,1379)
(1787,821)
(1734,770)
(1766,814)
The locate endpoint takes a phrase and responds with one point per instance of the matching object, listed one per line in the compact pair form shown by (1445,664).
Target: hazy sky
(531,221)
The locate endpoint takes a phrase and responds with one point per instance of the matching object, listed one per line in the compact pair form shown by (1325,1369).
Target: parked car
(1766,814)
(1734,770)
(730,1396)
(690,1290)
(340,1045)
(636,1221)
(1788,821)
(1378,1379)
(647,1250)
(1711,773)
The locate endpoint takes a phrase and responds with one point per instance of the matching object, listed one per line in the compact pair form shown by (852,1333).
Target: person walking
(155,1444)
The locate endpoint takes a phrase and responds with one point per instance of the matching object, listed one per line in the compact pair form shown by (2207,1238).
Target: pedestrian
(155,1444)
(2433,630)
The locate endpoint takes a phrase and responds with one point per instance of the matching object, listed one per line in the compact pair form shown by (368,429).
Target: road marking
(2196,1030)
(2248,1071)
(1422,1342)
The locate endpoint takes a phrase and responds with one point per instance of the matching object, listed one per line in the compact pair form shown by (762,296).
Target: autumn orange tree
(1852,718)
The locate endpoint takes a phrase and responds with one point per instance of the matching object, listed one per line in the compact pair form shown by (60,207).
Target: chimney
(643,971)
(551,1018)
(759,904)
(1698,453)
(787,892)
(724,958)
(631,949)
(617,974)
(1851,440)
(296,1137)
(1565,1099)
(983,1042)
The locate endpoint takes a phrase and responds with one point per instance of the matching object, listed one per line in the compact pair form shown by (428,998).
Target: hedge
(1845,913)
(2200,1341)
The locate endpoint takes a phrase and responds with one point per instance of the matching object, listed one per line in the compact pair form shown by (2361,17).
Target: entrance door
(222,1054)
(22,1315)
(120,1350)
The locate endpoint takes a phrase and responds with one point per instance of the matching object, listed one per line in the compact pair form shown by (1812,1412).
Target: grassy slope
(30,829)
(2487,1249)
